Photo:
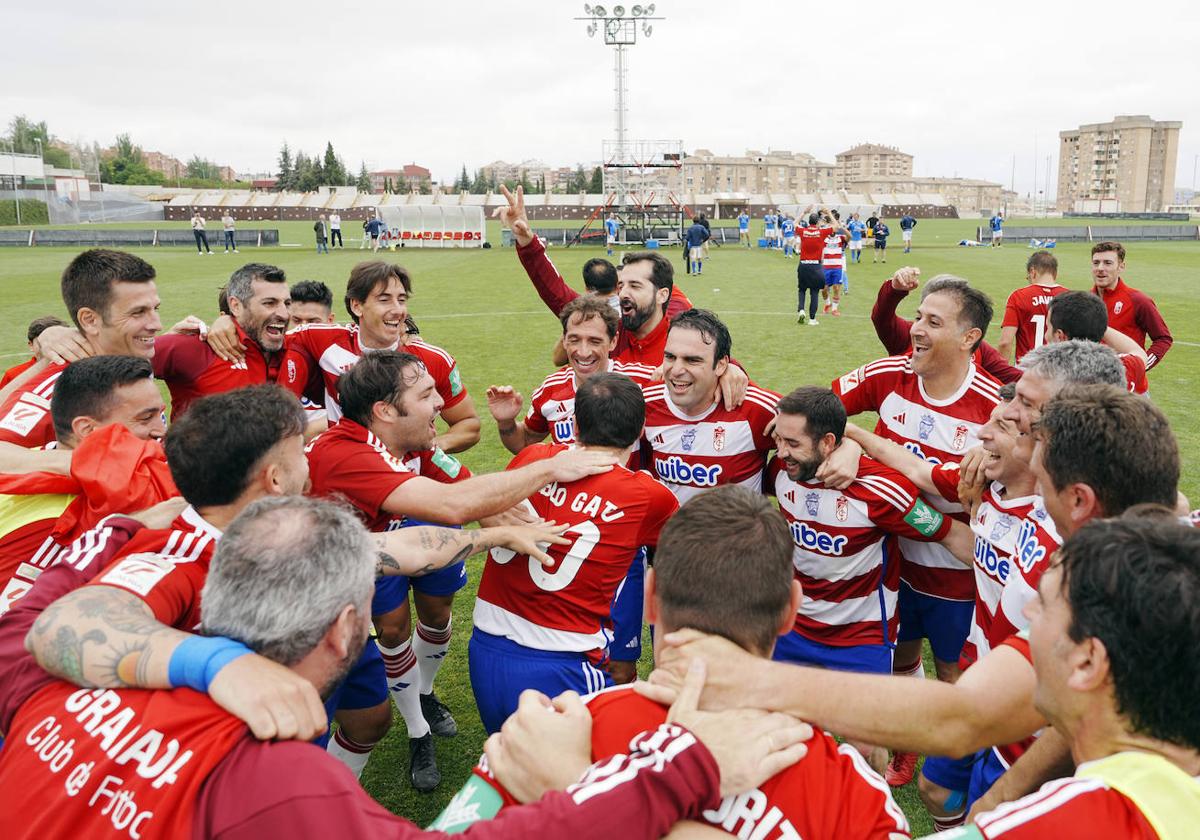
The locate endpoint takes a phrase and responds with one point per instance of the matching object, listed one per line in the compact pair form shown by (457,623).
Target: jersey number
(587,536)
(1039,326)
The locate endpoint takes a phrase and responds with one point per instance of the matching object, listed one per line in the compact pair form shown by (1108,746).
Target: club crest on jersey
(1118,307)
(1001,527)
(960,438)
(291,370)
(688,440)
(926,428)
(842,509)
(719,438)
(812,503)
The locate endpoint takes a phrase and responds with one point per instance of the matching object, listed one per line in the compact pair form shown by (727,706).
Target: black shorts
(810,276)
(880,244)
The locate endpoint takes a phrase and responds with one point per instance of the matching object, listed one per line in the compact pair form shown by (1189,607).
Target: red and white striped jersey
(834,255)
(937,430)
(552,406)
(1014,539)
(326,351)
(845,553)
(566,607)
(721,446)
(1072,807)
(25,416)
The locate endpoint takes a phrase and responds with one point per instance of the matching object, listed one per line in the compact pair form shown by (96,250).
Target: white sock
(917,671)
(835,306)
(402,676)
(351,753)
(430,644)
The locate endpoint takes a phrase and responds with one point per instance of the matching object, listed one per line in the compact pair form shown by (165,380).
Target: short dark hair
(88,280)
(87,388)
(1042,262)
(1135,586)
(813,218)
(710,328)
(822,410)
(599,275)
(39,325)
(974,307)
(312,291)
(366,276)
(1117,443)
(376,377)
(609,410)
(213,449)
(724,566)
(588,307)
(1079,315)
(662,273)
(1101,247)
(242,280)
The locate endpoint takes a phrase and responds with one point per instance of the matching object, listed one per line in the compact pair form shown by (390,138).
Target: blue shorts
(950,773)
(364,686)
(627,612)
(392,591)
(943,622)
(988,768)
(833,277)
(863,659)
(501,669)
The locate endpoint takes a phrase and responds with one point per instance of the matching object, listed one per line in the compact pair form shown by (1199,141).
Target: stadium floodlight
(587,10)
(618,11)
(599,11)
(591,29)
(647,29)
(637,11)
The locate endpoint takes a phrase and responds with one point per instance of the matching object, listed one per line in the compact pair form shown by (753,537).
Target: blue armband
(197,660)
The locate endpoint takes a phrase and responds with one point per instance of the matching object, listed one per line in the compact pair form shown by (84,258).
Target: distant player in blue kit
(611,226)
(857,228)
(788,228)
(769,231)
(743,221)
(997,225)
(694,241)
(907,223)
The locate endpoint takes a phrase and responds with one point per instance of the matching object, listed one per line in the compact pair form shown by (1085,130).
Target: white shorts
(743,232)
(856,244)
(996,234)
(612,240)
(697,252)
(907,235)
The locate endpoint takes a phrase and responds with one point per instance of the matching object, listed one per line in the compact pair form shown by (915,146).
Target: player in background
(833,264)
(589,335)
(312,303)
(788,229)
(692,441)
(857,229)
(1130,311)
(1077,315)
(1024,325)
(881,234)
(933,403)
(996,223)
(743,221)
(36,327)
(381,458)
(694,240)
(907,223)
(769,230)
(810,278)
(612,226)
(547,628)
(42,515)
(845,553)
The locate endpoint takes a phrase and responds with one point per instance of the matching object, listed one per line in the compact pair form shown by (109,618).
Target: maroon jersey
(1027,310)
(25,416)
(349,461)
(1133,313)
(566,607)
(192,370)
(552,406)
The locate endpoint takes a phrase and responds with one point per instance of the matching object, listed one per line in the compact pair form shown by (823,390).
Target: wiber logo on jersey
(1030,551)
(807,537)
(989,560)
(564,431)
(679,471)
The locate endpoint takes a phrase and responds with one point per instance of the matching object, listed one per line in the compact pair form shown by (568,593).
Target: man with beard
(258,298)
(1130,311)
(589,335)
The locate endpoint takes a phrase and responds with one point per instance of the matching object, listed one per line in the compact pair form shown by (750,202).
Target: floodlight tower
(620,31)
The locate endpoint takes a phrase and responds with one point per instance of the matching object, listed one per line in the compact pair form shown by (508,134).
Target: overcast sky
(963,87)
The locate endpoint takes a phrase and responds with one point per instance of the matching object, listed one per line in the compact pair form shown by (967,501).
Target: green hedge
(32,212)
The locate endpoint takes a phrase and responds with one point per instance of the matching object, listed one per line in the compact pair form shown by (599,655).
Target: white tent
(433,226)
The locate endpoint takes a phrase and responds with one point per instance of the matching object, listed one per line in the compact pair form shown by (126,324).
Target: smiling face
(1106,269)
(800,453)
(139,407)
(641,300)
(419,407)
(129,326)
(1050,645)
(938,339)
(264,317)
(381,316)
(689,371)
(587,345)
(1033,392)
(1002,443)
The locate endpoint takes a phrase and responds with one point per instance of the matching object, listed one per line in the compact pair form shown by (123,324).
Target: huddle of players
(544,626)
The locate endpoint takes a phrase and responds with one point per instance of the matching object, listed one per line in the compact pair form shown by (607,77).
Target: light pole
(12,160)
(620,31)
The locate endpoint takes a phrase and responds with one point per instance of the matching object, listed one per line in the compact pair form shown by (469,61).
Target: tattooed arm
(426,548)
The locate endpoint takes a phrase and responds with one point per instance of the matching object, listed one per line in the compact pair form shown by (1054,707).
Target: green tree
(524,182)
(25,135)
(579,180)
(479,185)
(125,164)
(286,179)
(424,187)
(464,180)
(597,182)
(364,178)
(198,167)
(334,170)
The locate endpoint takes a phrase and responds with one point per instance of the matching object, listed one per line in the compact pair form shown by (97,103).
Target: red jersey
(25,416)
(566,607)
(349,461)
(170,583)
(192,370)
(642,351)
(1135,373)
(552,406)
(1014,540)
(1067,808)
(1133,313)
(1027,310)
(812,243)
(938,431)
(830,793)
(845,552)
(16,370)
(27,545)
(323,352)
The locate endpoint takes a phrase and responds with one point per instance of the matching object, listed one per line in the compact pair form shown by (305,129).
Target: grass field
(480,307)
